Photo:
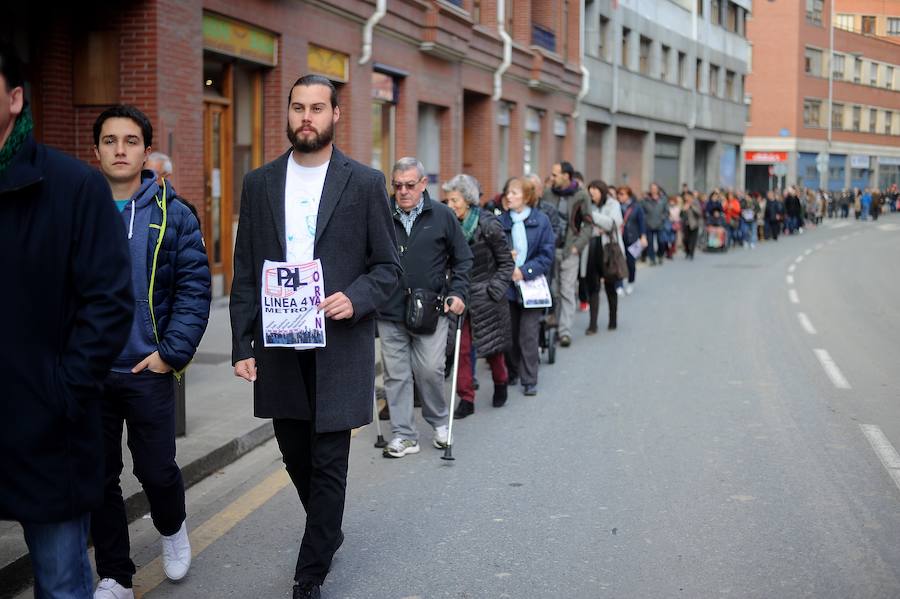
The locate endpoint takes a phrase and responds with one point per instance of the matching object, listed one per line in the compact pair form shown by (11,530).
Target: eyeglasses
(400,185)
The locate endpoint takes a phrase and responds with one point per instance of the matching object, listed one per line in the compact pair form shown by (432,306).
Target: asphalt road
(716,445)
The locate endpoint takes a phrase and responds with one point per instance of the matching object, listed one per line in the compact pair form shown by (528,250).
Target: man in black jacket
(68,304)
(435,258)
(315,396)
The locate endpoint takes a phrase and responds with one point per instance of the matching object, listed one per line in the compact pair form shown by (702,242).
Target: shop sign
(765,157)
(240,40)
(889,160)
(328,63)
(858,161)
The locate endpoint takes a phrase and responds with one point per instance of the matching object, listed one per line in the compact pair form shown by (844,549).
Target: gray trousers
(566,287)
(410,358)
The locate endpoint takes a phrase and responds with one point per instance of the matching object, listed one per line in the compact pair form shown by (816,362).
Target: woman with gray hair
(487,324)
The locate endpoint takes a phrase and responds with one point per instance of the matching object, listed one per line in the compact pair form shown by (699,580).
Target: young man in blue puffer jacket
(171,280)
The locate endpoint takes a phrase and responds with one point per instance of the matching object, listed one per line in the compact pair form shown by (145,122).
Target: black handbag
(423,308)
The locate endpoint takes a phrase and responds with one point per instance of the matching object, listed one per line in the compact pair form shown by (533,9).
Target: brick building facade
(855,135)
(213,77)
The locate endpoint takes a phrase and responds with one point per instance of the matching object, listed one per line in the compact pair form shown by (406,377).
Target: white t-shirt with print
(302,194)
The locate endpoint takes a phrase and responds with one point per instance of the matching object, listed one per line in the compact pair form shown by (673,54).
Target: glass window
(893,25)
(857,117)
(682,67)
(531,155)
(731,18)
(889,77)
(888,121)
(844,22)
(813,62)
(698,74)
(873,120)
(503,122)
(626,42)
(713,80)
(729,85)
(384,90)
(837,116)
(868,25)
(812,112)
(873,73)
(604,38)
(857,70)
(716,14)
(814,11)
(665,53)
(645,56)
(837,66)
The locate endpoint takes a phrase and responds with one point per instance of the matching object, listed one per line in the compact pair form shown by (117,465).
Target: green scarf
(13,144)
(470,223)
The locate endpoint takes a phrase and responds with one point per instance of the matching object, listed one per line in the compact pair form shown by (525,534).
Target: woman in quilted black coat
(487,322)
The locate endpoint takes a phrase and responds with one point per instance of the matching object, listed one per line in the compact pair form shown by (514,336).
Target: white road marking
(831,369)
(889,227)
(884,450)
(792,295)
(799,259)
(806,323)
(792,268)
(789,279)
(808,252)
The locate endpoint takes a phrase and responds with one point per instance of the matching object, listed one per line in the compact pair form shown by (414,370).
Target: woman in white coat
(607,222)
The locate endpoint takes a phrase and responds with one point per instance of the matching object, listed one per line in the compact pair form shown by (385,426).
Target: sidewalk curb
(16,576)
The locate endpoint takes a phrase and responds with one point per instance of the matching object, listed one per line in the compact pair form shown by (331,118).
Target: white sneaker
(108,588)
(629,289)
(441,436)
(620,292)
(176,553)
(399,447)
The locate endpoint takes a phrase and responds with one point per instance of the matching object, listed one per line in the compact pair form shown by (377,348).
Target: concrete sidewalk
(220,428)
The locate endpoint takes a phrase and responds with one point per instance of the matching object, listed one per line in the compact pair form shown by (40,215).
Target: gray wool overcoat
(356,243)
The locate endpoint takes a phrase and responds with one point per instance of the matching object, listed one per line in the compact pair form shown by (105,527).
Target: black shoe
(529,390)
(475,384)
(465,408)
(612,326)
(385,413)
(591,331)
(307,590)
(500,395)
(513,381)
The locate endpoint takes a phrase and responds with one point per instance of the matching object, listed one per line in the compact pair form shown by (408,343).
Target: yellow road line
(151,576)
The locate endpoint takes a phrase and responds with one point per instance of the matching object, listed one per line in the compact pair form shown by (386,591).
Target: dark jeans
(632,264)
(523,358)
(655,246)
(58,552)
(145,403)
(317,464)
(690,241)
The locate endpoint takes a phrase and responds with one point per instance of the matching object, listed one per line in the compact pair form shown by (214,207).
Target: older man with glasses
(412,327)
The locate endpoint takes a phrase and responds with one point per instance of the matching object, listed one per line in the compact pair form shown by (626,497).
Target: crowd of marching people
(578,239)
(124,296)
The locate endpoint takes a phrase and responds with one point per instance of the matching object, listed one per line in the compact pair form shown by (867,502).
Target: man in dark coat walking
(315,203)
(67,303)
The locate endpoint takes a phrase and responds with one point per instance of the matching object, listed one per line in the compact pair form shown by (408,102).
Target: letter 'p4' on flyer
(291,293)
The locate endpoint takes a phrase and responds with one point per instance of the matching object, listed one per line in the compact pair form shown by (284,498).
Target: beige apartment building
(819,118)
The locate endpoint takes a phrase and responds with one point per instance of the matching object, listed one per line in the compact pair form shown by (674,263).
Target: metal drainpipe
(507,51)
(692,121)
(369,28)
(585,74)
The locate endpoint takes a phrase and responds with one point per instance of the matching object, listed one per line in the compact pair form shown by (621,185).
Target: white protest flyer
(291,293)
(636,249)
(535,293)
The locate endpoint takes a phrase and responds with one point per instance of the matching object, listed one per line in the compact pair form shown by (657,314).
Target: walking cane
(448,451)
(380,442)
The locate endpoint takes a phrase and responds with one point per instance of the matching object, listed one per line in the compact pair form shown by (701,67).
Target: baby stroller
(715,238)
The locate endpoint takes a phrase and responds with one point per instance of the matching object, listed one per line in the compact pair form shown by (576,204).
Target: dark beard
(322,139)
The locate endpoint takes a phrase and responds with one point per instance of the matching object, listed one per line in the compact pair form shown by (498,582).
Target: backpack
(557,222)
